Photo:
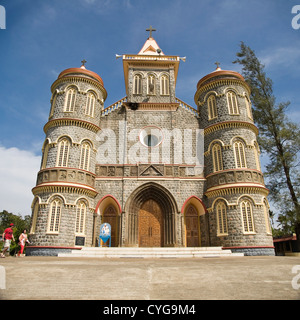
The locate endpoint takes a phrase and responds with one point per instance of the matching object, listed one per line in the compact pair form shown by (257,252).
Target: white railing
(113,107)
(187,107)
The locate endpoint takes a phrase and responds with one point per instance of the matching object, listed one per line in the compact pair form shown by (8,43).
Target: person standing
(23,239)
(7,236)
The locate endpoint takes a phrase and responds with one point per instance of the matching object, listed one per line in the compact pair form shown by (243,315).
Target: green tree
(20,223)
(279,138)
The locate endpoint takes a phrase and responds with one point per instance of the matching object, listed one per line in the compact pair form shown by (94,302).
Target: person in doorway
(23,239)
(7,236)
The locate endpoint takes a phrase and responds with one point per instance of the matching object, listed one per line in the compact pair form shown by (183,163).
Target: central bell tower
(150,76)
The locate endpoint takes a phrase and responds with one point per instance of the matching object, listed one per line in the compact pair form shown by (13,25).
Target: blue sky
(42,38)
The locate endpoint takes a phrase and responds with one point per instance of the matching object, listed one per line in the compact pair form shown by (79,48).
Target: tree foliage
(279,138)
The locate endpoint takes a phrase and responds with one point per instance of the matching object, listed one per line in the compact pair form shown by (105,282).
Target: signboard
(105,233)
(79,241)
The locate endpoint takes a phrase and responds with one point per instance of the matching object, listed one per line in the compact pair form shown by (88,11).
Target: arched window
(239,154)
(222,218)
(212,107)
(45,154)
(34,216)
(63,153)
(137,84)
(54,216)
(70,100)
(217,157)
(248,107)
(164,85)
(256,155)
(151,85)
(247,216)
(232,103)
(90,104)
(85,156)
(53,105)
(80,217)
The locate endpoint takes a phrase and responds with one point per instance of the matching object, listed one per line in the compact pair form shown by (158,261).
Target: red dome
(81,70)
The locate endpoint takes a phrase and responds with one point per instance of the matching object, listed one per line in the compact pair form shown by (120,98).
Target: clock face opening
(151,136)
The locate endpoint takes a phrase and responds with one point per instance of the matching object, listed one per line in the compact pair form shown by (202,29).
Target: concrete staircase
(125,252)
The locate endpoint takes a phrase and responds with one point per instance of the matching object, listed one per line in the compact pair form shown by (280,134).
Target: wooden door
(192,227)
(150,225)
(110,216)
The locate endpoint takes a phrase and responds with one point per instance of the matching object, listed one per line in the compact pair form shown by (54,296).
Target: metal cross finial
(83,62)
(217,64)
(150,30)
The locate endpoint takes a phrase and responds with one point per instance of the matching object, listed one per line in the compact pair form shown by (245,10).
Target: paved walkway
(170,279)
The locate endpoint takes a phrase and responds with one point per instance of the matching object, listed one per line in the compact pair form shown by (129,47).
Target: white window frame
(70,100)
(212,107)
(247,217)
(233,107)
(164,85)
(63,153)
(90,104)
(222,219)
(81,209)
(85,152)
(54,216)
(239,154)
(137,84)
(217,157)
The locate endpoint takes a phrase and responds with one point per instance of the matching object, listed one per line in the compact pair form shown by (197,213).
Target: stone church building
(160,172)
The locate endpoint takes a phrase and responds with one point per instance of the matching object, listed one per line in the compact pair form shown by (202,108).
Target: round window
(151,136)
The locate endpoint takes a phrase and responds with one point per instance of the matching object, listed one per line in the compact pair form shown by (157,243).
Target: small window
(217,158)
(247,216)
(63,153)
(212,107)
(164,85)
(70,100)
(232,103)
(80,217)
(90,104)
(54,216)
(151,85)
(222,218)
(248,107)
(85,156)
(137,84)
(239,154)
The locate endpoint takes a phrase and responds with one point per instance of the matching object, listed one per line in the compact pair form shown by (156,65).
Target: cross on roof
(150,30)
(217,64)
(83,62)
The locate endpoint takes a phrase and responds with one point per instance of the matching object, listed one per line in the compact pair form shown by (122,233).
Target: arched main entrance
(150,224)
(150,217)
(110,216)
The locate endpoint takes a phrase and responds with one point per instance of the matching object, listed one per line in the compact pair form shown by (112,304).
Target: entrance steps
(167,252)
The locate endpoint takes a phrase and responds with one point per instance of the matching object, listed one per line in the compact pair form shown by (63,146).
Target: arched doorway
(153,206)
(193,218)
(108,210)
(192,227)
(150,225)
(110,216)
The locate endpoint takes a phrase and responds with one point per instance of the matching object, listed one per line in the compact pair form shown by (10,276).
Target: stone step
(129,252)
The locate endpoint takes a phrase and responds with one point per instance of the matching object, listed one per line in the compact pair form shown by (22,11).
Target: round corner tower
(236,197)
(63,206)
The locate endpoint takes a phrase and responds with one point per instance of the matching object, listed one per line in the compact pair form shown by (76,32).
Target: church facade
(160,172)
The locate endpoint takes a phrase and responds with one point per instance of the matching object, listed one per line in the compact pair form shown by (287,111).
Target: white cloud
(18,171)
